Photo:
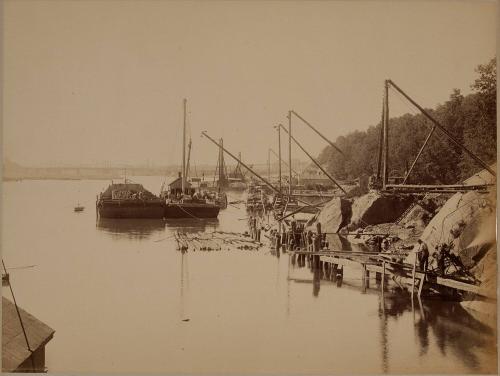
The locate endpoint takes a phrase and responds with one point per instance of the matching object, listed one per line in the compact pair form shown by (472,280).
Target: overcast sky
(89,81)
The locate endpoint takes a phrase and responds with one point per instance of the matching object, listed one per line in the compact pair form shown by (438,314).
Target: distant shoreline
(62,178)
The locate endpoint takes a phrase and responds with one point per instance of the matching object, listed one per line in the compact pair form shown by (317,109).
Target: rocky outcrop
(466,219)
(400,236)
(370,209)
(375,208)
(335,215)
(417,218)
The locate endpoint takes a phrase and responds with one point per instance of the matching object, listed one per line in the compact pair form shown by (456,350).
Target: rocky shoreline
(464,221)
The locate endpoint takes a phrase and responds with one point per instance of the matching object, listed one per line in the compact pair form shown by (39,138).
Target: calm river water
(117,292)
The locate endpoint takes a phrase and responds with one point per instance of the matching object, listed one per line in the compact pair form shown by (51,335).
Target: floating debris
(215,241)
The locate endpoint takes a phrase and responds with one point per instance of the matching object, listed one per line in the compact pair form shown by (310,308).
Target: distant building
(312,176)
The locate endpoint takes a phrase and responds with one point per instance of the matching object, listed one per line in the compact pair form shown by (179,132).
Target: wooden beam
(419,153)
(421,286)
(443,129)
(315,130)
(316,162)
(385,170)
(383,276)
(413,276)
(458,285)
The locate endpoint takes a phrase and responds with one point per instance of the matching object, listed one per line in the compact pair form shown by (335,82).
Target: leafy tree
(470,119)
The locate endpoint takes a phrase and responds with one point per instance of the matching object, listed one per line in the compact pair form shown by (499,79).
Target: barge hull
(191,211)
(153,210)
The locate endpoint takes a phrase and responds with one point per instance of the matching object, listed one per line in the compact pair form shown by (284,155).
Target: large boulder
(334,215)
(417,218)
(375,208)
(466,219)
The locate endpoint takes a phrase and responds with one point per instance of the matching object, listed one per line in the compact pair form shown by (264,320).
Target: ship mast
(222,177)
(237,171)
(279,155)
(269,164)
(183,181)
(188,159)
(290,152)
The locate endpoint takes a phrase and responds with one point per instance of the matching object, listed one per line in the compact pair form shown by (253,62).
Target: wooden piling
(421,285)
(337,259)
(413,276)
(383,276)
(340,276)
(316,263)
(363,275)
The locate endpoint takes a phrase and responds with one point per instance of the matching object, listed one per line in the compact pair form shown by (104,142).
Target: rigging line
(403,101)
(168,237)
(20,319)
(414,112)
(195,217)
(195,171)
(21,267)
(446,140)
(216,170)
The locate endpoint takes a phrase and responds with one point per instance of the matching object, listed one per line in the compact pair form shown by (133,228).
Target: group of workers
(296,237)
(442,258)
(255,227)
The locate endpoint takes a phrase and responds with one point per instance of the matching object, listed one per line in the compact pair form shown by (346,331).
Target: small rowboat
(79,208)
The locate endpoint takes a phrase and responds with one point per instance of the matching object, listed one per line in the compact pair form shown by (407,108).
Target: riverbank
(464,222)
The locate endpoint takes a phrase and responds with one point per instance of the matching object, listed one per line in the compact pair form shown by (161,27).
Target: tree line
(471,119)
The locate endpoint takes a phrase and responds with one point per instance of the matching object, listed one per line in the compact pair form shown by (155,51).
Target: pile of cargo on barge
(129,200)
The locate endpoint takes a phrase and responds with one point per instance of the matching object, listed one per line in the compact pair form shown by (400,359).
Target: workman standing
(444,253)
(423,255)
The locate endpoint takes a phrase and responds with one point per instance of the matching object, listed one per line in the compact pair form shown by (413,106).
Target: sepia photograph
(249,187)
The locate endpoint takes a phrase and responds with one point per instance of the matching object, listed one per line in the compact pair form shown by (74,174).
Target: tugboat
(129,200)
(187,202)
(181,199)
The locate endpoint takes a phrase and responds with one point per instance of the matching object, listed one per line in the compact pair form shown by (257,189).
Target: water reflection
(131,228)
(228,291)
(191,225)
(349,243)
(445,324)
(319,270)
(454,329)
(184,314)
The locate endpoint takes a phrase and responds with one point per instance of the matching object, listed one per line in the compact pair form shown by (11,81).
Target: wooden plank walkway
(414,188)
(375,263)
